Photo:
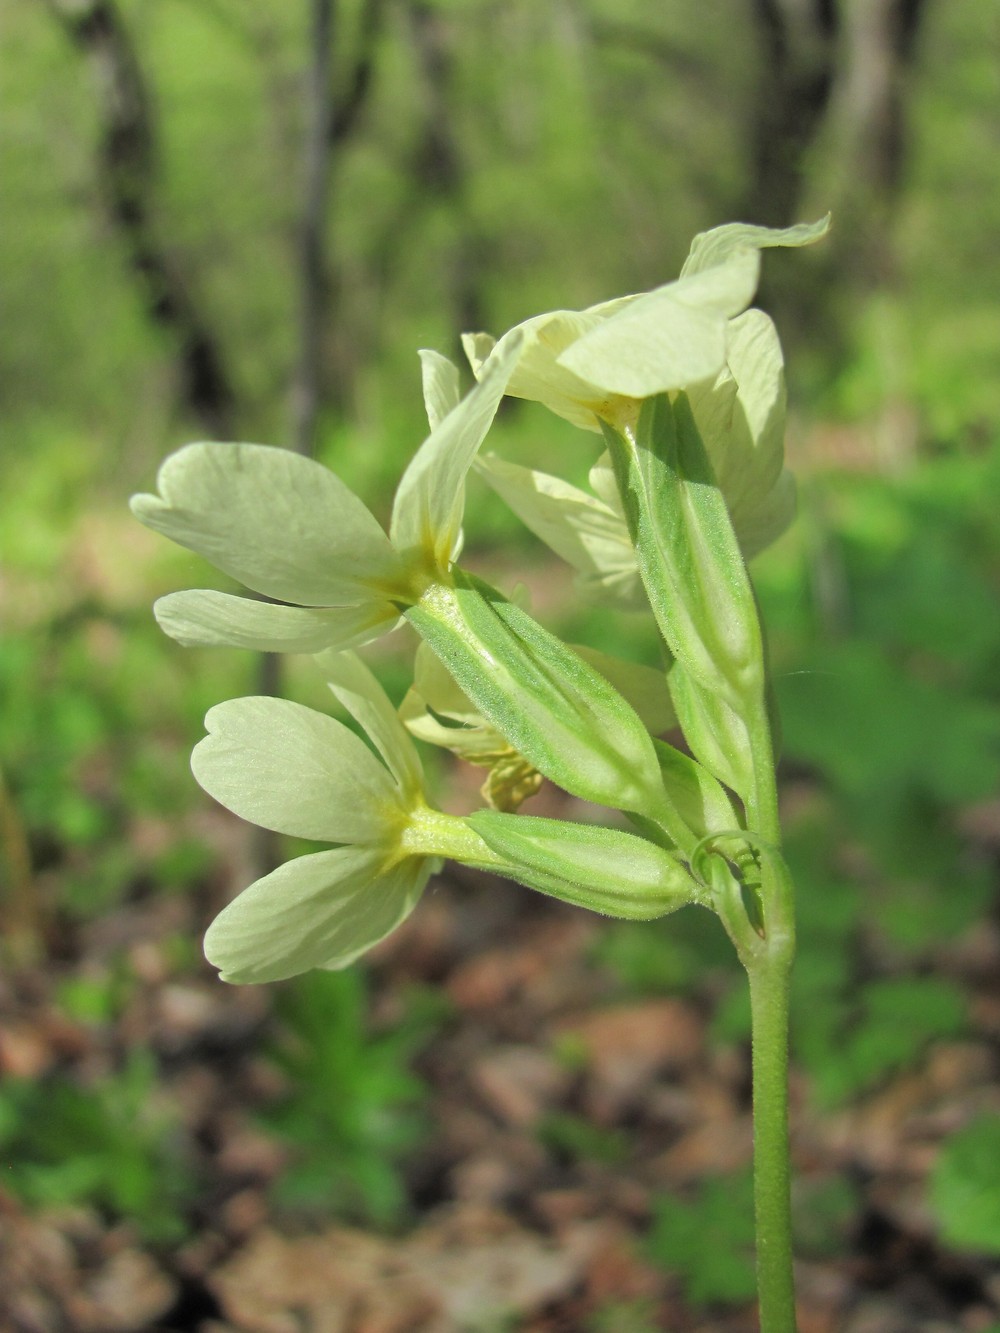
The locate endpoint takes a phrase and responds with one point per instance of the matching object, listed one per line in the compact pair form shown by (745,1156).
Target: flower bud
(605,870)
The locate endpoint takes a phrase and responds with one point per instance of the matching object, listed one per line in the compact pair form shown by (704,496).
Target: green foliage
(664,958)
(353,1110)
(824,1212)
(575,1138)
(638,1316)
(849,1031)
(707,1240)
(965,1187)
(96,998)
(108,1146)
(82,761)
(887,685)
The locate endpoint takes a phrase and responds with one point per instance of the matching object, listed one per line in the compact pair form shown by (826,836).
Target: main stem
(768,961)
(771,1169)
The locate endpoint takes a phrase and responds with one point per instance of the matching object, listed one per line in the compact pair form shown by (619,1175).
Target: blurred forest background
(236,219)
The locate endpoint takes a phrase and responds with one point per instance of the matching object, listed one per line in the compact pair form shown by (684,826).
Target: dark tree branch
(313,262)
(798,46)
(653,46)
(314,301)
(345,110)
(869,129)
(128,176)
(436,171)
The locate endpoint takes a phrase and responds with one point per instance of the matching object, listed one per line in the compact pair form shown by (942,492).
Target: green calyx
(687,552)
(605,870)
(549,704)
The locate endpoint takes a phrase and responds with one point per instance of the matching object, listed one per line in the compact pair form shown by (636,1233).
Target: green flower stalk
(684,387)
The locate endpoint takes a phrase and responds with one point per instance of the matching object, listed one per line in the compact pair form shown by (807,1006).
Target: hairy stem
(772,1198)
(768,961)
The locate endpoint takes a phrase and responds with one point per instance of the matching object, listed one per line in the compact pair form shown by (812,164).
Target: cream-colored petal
(478,348)
(296,771)
(669,338)
(768,519)
(538,376)
(283,525)
(203,618)
(367,702)
(430,500)
(577,526)
(323,910)
(757,364)
(441,387)
(711,248)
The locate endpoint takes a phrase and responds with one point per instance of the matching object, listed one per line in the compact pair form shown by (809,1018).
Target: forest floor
(557,1113)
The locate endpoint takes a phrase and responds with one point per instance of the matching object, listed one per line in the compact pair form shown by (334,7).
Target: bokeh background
(235,219)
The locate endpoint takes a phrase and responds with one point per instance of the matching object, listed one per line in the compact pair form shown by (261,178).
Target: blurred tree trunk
(437,177)
(128,180)
(867,130)
(323,374)
(832,85)
(829,133)
(439,166)
(798,50)
(340,90)
(314,281)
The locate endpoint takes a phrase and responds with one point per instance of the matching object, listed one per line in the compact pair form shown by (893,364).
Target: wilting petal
(296,771)
(669,338)
(710,248)
(203,618)
(577,526)
(540,375)
(427,511)
(367,702)
(322,910)
(758,367)
(765,522)
(441,389)
(283,525)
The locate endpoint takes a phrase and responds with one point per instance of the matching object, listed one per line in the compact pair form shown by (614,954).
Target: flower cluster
(684,384)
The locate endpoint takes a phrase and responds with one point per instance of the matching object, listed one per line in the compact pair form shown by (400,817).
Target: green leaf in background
(965,1187)
(708,1240)
(353,1111)
(574,1138)
(870,726)
(110,1146)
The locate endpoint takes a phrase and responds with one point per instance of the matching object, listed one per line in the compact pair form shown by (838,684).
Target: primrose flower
(592,365)
(288,529)
(302,773)
(740,416)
